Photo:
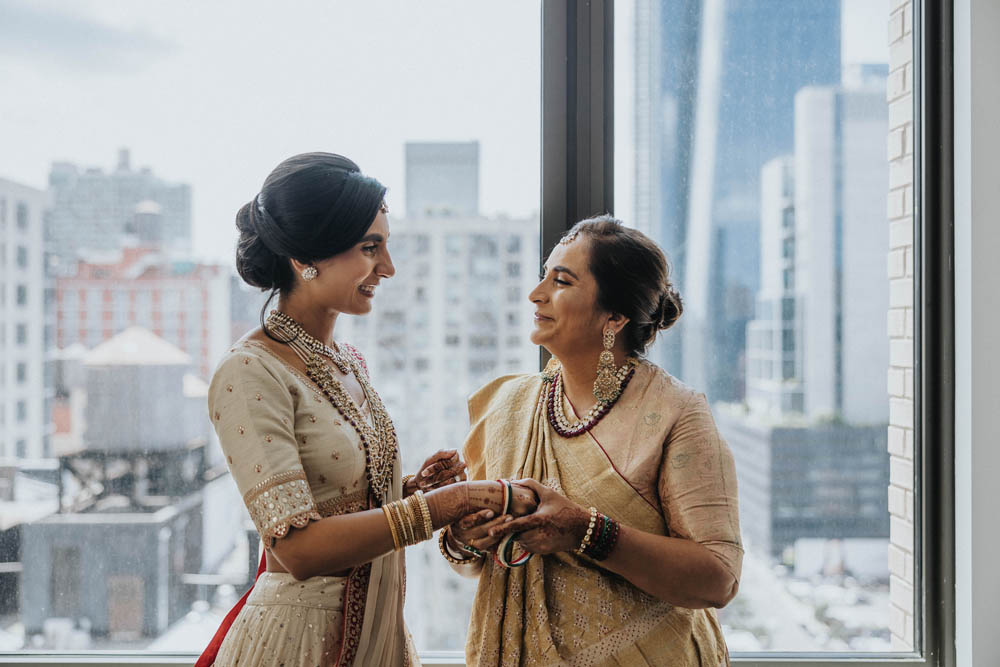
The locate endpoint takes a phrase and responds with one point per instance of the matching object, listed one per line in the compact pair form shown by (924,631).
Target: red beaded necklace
(586,425)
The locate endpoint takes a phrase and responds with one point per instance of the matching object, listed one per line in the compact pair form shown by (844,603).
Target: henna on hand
(450,503)
(485,495)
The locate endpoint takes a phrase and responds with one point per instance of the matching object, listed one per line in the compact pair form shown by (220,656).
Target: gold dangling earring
(607,386)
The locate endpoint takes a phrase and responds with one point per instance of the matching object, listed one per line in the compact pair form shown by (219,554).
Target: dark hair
(633,279)
(311,207)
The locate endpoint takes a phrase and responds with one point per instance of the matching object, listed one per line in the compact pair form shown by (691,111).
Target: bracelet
(508,496)
(392,527)
(446,551)
(402,523)
(505,552)
(425,510)
(406,480)
(607,538)
(409,520)
(585,542)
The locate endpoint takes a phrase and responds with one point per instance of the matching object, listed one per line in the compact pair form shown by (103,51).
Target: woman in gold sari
(309,442)
(636,537)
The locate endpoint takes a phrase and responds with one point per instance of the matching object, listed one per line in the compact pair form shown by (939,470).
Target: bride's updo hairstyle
(312,206)
(633,279)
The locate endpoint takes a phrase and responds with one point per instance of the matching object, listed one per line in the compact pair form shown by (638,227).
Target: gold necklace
(378,437)
(297,332)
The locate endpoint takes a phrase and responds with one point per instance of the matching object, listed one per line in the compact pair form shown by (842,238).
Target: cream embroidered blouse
(294,457)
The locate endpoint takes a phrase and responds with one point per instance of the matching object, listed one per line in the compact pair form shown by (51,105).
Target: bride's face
(567,318)
(346,283)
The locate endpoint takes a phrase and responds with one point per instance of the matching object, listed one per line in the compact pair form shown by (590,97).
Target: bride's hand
(442,468)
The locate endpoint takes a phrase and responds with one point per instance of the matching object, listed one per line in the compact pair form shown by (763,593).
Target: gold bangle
(414,521)
(443,546)
(420,524)
(398,513)
(405,522)
(392,527)
(406,480)
(426,510)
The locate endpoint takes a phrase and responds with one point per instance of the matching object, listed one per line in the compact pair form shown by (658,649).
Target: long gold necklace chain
(378,438)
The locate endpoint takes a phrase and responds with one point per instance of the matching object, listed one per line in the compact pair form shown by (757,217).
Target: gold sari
(564,609)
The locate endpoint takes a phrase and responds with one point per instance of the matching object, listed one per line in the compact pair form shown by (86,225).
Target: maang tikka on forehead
(569,238)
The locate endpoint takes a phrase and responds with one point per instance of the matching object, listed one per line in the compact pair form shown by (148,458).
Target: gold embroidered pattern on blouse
(378,440)
(280,502)
(352,502)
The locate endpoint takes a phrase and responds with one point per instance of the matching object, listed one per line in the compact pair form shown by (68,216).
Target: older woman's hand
(474,529)
(557,525)
(442,468)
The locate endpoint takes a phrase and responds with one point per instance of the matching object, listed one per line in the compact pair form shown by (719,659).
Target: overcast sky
(216,93)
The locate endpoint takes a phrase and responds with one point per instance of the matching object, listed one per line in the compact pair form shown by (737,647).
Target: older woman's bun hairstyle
(633,279)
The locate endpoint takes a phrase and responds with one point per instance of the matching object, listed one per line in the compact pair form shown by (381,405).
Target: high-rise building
(774,360)
(810,444)
(455,316)
(442,179)
(94,210)
(665,85)
(24,388)
(181,301)
(716,106)
(840,197)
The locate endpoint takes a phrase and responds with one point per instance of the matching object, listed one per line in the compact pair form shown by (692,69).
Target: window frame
(577,168)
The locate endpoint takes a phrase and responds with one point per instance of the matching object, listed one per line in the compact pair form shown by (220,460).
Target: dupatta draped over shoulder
(655,463)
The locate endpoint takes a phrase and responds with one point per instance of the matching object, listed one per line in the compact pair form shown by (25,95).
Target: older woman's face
(566,313)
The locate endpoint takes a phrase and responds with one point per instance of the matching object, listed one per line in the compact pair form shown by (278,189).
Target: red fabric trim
(613,466)
(355,601)
(208,656)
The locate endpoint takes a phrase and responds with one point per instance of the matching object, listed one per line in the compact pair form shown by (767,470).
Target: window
(22,216)
(22,412)
(707,96)
(22,295)
(64,595)
(22,257)
(731,121)
(22,372)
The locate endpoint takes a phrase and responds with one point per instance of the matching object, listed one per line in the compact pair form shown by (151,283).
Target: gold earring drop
(309,273)
(607,386)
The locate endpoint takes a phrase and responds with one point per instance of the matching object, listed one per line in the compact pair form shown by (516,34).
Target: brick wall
(900,323)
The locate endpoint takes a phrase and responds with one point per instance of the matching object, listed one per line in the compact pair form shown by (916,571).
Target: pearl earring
(309,273)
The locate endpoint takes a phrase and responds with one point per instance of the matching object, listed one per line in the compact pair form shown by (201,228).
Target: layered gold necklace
(378,437)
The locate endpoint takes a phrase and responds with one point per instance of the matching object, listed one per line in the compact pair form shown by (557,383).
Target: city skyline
(122,74)
(457,313)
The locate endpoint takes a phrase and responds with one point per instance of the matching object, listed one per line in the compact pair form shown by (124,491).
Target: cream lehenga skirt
(287,622)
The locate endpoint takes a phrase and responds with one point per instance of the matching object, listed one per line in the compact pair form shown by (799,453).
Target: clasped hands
(544,520)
